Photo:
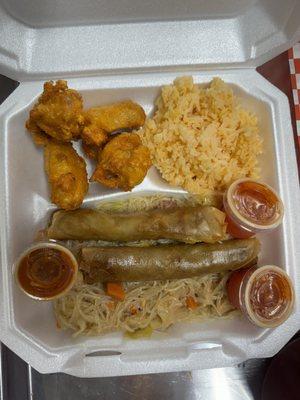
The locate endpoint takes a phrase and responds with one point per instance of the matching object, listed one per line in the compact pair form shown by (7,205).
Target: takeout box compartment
(28,327)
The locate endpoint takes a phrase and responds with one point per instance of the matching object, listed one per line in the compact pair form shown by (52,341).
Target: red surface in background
(277,71)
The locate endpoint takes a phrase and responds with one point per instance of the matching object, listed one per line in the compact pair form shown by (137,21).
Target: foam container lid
(132,49)
(42,39)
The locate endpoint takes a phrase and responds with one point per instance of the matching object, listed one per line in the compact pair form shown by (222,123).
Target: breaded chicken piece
(98,121)
(92,133)
(67,175)
(58,113)
(40,138)
(90,150)
(123,163)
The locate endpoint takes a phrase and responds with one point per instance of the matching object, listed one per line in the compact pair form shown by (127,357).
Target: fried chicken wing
(99,122)
(40,138)
(67,175)
(123,163)
(58,113)
(90,150)
(92,133)
(113,117)
(93,137)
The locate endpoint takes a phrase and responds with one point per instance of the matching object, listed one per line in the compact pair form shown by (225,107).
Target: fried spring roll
(185,224)
(130,264)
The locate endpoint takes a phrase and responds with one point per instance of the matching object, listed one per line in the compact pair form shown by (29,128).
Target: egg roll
(184,224)
(131,264)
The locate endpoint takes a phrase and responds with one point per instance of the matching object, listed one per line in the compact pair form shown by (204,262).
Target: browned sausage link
(186,224)
(129,264)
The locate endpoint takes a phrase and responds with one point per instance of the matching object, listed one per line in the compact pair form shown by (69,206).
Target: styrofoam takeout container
(111,50)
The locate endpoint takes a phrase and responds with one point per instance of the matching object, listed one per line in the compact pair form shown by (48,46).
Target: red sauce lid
(269,296)
(265,295)
(46,271)
(252,206)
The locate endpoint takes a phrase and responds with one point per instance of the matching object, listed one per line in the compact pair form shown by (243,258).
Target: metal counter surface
(243,382)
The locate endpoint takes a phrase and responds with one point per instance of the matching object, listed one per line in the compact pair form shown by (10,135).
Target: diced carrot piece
(191,303)
(111,305)
(133,310)
(115,289)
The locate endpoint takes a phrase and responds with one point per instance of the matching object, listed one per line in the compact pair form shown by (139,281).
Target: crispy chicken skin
(92,133)
(67,175)
(102,120)
(90,150)
(123,163)
(58,114)
(40,138)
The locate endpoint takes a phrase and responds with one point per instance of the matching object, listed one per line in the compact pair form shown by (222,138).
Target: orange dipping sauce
(251,207)
(46,271)
(265,295)
(269,295)
(255,202)
(233,286)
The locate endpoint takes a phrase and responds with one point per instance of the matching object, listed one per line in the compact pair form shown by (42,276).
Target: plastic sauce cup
(265,295)
(251,207)
(46,271)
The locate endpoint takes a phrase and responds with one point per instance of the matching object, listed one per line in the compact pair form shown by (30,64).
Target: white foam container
(111,51)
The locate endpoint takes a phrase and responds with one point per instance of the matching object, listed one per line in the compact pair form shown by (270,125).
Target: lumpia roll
(185,224)
(130,264)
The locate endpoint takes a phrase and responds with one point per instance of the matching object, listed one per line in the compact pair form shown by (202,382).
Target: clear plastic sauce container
(265,295)
(251,207)
(46,271)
